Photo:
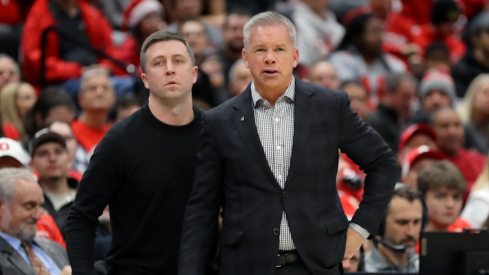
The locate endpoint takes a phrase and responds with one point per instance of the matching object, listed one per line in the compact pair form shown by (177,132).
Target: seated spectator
(54,104)
(394,109)
(360,56)
(9,70)
(450,137)
(12,155)
(210,76)
(398,33)
(78,161)
(476,59)
(193,9)
(124,107)
(27,254)
(318,32)
(416,160)
(232,44)
(443,187)
(436,55)
(358,97)
(323,73)
(11,19)
(476,210)
(239,78)
(436,90)
(474,112)
(96,97)
(114,11)
(141,18)
(51,162)
(444,15)
(66,60)
(16,99)
(394,247)
(413,137)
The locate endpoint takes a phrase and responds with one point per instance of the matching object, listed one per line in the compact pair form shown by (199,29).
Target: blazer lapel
(15,259)
(244,120)
(304,111)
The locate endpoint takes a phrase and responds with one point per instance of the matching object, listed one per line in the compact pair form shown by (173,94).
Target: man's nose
(169,68)
(270,57)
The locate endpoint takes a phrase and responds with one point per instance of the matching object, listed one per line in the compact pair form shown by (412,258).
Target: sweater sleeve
(100,181)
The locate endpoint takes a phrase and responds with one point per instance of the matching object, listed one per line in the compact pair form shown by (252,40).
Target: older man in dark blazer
(269,158)
(21,198)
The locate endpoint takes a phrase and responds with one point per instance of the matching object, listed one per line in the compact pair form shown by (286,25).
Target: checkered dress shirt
(275,127)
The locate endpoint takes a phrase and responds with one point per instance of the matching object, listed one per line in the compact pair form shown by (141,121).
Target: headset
(399,247)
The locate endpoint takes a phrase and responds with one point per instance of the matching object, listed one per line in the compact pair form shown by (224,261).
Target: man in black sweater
(143,169)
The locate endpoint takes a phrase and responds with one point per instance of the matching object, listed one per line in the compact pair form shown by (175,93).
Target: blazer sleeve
(200,227)
(366,148)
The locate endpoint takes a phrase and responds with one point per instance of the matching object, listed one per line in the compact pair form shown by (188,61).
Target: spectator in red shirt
(450,137)
(16,99)
(443,187)
(442,29)
(96,96)
(65,60)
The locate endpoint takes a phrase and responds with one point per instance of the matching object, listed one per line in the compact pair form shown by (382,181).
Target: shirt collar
(289,93)
(13,241)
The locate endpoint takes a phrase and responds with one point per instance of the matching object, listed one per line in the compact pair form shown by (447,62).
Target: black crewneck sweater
(144,170)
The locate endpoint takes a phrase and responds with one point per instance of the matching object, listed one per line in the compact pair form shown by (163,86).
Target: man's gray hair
(268,18)
(8,176)
(159,36)
(92,73)
(393,80)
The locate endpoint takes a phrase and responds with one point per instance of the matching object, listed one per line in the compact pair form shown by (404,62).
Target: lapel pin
(242,118)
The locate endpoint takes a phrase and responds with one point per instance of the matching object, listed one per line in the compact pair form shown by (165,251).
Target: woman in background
(474,112)
(16,99)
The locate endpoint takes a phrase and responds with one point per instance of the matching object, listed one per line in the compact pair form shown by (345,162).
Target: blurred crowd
(417,71)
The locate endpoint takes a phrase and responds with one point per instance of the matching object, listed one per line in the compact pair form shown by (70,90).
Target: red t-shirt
(10,131)
(86,136)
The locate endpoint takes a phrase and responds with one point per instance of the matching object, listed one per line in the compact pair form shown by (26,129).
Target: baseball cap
(12,148)
(419,153)
(413,130)
(44,136)
(479,23)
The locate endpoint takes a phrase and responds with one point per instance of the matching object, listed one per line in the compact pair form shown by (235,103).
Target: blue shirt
(45,259)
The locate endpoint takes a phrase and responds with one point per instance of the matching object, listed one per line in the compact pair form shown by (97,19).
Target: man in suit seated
(21,198)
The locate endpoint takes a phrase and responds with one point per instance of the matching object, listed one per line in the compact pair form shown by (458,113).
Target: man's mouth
(270,72)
